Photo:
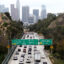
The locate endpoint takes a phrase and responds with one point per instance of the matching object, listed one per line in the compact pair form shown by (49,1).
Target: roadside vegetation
(9,29)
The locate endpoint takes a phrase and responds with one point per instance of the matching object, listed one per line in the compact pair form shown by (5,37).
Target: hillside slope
(58,22)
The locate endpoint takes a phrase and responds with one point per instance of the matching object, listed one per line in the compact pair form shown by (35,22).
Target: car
(19,50)
(25,46)
(35,49)
(28,61)
(21,59)
(30,49)
(29,56)
(24,50)
(43,57)
(44,62)
(29,52)
(36,62)
(27,36)
(21,63)
(30,46)
(20,45)
(23,55)
(17,53)
(15,58)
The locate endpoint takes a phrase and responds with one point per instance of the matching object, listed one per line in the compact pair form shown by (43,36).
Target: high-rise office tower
(43,12)
(18,9)
(14,13)
(36,14)
(31,19)
(25,14)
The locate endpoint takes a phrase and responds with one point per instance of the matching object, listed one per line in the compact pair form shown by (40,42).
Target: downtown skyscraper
(15,11)
(36,14)
(43,12)
(25,14)
(18,9)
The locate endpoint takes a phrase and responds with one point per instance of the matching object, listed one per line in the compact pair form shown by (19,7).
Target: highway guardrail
(5,61)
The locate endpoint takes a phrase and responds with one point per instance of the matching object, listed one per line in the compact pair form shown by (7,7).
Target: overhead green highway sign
(45,41)
(25,42)
(32,42)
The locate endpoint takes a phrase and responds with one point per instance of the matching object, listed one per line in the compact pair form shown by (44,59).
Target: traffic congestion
(29,54)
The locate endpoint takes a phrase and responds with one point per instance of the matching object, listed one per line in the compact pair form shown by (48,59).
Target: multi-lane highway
(30,54)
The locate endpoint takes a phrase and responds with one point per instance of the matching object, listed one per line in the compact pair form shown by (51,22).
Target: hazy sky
(53,6)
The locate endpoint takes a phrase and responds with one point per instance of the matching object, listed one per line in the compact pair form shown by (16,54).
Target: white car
(28,61)
(21,59)
(15,58)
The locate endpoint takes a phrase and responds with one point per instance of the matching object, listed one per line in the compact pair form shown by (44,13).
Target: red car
(24,50)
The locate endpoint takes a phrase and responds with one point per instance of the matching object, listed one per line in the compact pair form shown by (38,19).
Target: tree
(8,15)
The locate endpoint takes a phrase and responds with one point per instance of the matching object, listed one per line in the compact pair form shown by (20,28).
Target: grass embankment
(56,60)
(3,52)
(1,58)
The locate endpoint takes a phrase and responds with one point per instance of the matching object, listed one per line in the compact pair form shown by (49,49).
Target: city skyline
(53,6)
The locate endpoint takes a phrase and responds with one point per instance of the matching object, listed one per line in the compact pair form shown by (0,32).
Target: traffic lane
(11,61)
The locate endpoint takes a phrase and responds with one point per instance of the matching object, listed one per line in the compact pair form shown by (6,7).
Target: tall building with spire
(18,9)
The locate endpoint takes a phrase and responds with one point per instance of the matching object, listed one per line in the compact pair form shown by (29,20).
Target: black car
(20,45)
(19,50)
(25,46)
(30,49)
